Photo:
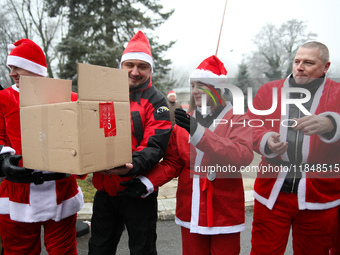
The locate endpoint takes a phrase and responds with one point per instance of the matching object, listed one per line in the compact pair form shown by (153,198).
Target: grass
(87,188)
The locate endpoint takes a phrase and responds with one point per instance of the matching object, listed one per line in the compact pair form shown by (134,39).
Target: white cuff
(149,186)
(336,136)
(7,149)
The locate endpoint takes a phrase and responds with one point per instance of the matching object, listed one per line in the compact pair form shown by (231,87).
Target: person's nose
(134,71)
(300,67)
(13,72)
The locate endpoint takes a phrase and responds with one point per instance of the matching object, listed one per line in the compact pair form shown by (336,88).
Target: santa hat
(27,55)
(210,71)
(171,93)
(138,48)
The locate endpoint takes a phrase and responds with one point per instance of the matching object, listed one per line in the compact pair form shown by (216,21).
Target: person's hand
(275,145)
(13,171)
(2,157)
(314,125)
(135,188)
(186,121)
(122,170)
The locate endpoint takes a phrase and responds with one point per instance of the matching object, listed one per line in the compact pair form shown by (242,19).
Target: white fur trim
(284,130)
(197,136)
(195,200)
(208,77)
(139,56)
(7,149)
(277,188)
(270,202)
(43,206)
(322,206)
(196,189)
(27,65)
(149,186)
(336,137)
(303,205)
(211,230)
(171,94)
(198,74)
(260,198)
(11,47)
(14,87)
(302,188)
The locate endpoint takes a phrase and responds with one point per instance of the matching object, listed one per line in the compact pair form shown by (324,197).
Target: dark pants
(111,213)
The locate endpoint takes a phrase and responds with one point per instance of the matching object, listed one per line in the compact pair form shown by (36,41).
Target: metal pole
(219,37)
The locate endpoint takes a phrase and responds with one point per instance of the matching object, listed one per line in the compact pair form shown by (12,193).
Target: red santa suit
(317,190)
(27,202)
(207,207)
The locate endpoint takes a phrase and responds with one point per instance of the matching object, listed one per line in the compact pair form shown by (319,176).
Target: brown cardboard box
(89,135)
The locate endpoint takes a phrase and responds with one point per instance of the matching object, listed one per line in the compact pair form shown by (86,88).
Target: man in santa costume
(150,133)
(297,185)
(173,105)
(210,204)
(30,199)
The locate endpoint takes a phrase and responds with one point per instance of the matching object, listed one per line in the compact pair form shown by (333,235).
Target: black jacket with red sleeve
(150,134)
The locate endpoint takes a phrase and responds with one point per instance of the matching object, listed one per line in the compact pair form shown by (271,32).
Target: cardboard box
(89,135)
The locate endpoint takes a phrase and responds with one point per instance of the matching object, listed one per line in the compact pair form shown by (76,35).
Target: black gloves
(135,188)
(2,157)
(12,171)
(186,121)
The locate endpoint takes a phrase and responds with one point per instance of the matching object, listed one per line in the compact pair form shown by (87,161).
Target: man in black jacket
(150,133)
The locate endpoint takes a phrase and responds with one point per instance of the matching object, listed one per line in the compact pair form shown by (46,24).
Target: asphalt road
(169,240)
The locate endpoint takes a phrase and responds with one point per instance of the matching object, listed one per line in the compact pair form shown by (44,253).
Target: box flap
(99,83)
(40,90)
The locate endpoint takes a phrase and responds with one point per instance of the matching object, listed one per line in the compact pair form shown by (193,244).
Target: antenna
(219,37)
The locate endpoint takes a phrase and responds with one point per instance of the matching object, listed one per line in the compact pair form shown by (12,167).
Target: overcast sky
(196,25)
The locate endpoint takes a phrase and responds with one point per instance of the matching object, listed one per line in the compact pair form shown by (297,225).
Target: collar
(208,111)
(311,86)
(136,93)
(14,87)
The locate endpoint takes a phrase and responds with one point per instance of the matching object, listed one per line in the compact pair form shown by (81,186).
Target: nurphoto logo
(238,100)
(238,105)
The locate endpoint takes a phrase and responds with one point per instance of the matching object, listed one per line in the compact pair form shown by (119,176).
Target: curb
(166,208)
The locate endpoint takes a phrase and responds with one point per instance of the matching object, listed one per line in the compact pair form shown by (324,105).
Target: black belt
(40,178)
(290,184)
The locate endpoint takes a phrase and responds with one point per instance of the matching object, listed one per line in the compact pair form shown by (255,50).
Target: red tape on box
(107,118)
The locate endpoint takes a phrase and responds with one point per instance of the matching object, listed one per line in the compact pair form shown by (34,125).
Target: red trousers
(336,247)
(313,231)
(20,238)
(222,244)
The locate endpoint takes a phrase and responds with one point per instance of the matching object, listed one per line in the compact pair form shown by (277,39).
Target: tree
(276,48)
(4,41)
(98,30)
(28,19)
(243,81)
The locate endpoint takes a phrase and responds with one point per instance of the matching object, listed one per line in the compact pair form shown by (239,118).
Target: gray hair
(324,52)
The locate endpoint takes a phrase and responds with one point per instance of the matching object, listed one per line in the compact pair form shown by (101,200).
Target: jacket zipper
(296,148)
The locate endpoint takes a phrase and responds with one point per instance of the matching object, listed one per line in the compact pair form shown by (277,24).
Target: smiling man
(305,194)
(150,133)
(139,72)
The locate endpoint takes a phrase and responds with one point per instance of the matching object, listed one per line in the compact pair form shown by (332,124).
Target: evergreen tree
(244,82)
(99,30)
